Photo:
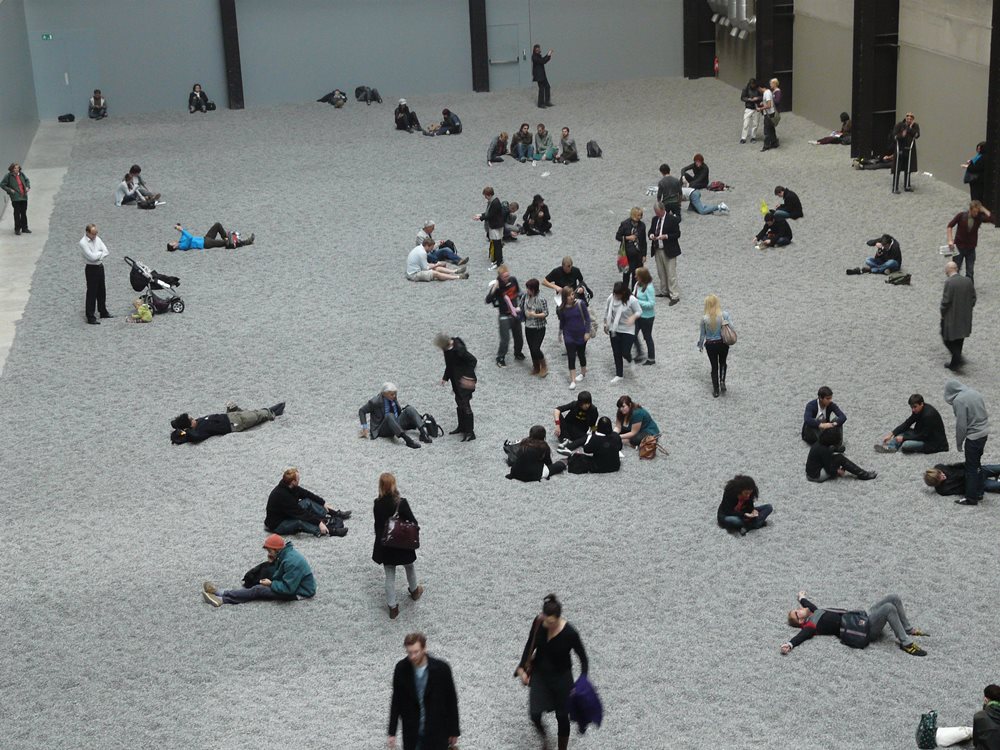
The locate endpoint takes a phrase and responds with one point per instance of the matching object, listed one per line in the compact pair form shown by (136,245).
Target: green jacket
(293,577)
(9,184)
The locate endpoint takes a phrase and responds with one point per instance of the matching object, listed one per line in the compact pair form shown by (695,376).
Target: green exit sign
(46,37)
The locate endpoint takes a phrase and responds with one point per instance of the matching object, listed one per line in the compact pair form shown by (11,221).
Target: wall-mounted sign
(46,37)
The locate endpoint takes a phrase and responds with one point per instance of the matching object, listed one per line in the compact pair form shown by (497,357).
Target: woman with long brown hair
(388,504)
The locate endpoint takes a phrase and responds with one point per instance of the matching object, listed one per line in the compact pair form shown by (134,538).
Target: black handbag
(401,534)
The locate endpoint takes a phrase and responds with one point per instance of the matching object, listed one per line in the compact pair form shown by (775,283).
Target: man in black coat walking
(538,61)
(460,371)
(424,699)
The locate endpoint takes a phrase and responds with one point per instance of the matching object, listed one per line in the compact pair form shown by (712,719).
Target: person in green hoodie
(17,185)
(985,729)
(291,578)
(544,148)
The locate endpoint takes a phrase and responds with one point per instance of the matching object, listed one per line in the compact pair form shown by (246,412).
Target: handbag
(649,446)
(400,533)
(728,333)
(927,730)
(622,259)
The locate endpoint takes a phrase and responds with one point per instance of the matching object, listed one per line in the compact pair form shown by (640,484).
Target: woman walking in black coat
(460,371)
(547,668)
(387,504)
(632,234)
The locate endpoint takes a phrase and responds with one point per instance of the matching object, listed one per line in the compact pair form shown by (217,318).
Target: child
(142,313)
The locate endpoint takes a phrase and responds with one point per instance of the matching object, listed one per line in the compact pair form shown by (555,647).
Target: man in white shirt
(94,253)
(418,269)
(443,249)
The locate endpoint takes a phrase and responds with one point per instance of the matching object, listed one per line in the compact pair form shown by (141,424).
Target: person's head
(513,206)
(537,433)
(825,396)
(551,610)
(744,487)
(442,341)
(844,117)
(428,244)
(537,200)
(934,477)
(664,169)
(429,226)
(14,168)
(532,286)
(584,400)
(137,303)
(713,307)
(761,86)
(503,272)
(91,231)
(779,191)
(625,406)
(567,263)
(135,170)
(488,193)
(909,118)
(635,214)
(884,241)
(974,208)
(775,83)
(389,391)
(798,617)
(290,477)
(387,485)
(446,113)
(503,136)
(950,268)
(537,48)
(621,291)
(916,402)
(698,159)
(541,127)
(643,277)
(416,648)
(568,296)
(181,421)
(273,544)
(604,426)
(196,88)
(991,693)
(525,127)
(752,83)
(565,132)
(769,217)
(658,209)
(981,147)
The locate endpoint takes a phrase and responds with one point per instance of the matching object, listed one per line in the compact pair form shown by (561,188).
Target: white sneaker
(572,385)
(814,143)
(580,377)
(616,379)
(723,207)
(493,266)
(621,455)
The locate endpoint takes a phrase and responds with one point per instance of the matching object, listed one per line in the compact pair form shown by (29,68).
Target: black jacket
(954,479)
(779,228)
(283,504)
(532,455)
(197,99)
(671,226)
(892,252)
(538,61)
(928,427)
(730,506)
(604,450)
(575,422)
(750,96)
(209,426)
(440,702)
(790,202)
(638,246)
(383,510)
(697,177)
(495,214)
(986,728)
(458,363)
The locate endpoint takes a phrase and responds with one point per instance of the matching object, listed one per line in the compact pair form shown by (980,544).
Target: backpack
(897,278)
(367,95)
(593,150)
(433,428)
(854,629)
(66,118)
(927,731)
(717,185)
(147,204)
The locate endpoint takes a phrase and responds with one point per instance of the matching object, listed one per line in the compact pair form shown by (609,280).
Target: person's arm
(577,645)
(948,232)
(640,237)
(451,702)
(810,417)
(961,425)
(291,579)
(762,233)
(841,417)
(622,232)
(906,425)
(394,704)
(529,648)
(363,413)
(633,306)
(702,334)
(646,300)
(633,430)
(91,253)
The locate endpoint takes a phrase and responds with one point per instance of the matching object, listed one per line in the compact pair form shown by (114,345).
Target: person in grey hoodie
(972,428)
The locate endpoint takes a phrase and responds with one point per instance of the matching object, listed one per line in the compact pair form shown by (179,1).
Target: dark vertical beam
(765,40)
(863,94)
(992,175)
(480,47)
(699,40)
(231,50)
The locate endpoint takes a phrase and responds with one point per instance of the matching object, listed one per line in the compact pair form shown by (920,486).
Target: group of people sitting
(524,147)
(776,231)
(132,189)
(406,119)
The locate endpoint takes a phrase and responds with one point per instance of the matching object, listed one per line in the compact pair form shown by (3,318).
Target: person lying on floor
(336,97)
(217,236)
(389,419)
(949,479)
(288,577)
(292,508)
(531,459)
(187,429)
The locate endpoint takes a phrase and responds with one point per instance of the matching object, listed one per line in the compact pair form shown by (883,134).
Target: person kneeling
(418,269)
(391,420)
(737,511)
(286,575)
(823,464)
(531,459)
(291,509)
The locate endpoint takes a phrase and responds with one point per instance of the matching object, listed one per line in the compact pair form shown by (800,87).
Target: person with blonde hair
(632,236)
(292,508)
(497,149)
(710,340)
(388,505)
(963,242)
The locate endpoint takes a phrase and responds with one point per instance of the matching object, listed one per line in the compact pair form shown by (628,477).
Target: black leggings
(572,350)
(534,337)
(217,236)
(645,327)
(562,722)
(717,352)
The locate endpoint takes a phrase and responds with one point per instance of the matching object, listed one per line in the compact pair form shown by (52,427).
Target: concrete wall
(18,114)
(143,55)
(737,58)
(823,45)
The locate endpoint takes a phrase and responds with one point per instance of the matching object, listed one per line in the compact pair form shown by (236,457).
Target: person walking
(631,235)
(620,315)
(535,309)
(575,324)
(972,430)
(502,294)
(963,242)
(460,371)
(538,63)
(957,301)
(664,235)
(905,136)
(94,252)
(17,186)
(710,340)
(390,505)
(645,295)
(546,667)
(424,700)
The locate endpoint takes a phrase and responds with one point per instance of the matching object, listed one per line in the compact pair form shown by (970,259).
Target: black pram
(146,280)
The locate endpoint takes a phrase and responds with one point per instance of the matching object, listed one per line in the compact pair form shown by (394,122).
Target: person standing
(503,292)
(665,233)
(645,295)
(905,136)
(17,185)
(575,325)
(546,667)
(632,236)
(535,310)
(538,63)
(460,371)
(976,171)
(668,190)
(389,505)
(750,97)
(957,302)
(966,237)
(620,315)
(94,253)
(424,700)
(493,219)
(710,340)
(768,108)
(972,429)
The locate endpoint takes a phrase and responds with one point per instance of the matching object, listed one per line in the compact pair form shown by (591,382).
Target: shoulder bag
(530,664)
(401,534)
(622,260)
(649,446)
(728,333)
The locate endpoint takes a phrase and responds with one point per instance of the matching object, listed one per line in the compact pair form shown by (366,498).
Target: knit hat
(402,101)
(274,542)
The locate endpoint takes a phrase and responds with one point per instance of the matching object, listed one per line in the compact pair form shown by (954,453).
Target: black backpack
(593,150)
(367,95)
(432,427)
(854,629)
(66,118)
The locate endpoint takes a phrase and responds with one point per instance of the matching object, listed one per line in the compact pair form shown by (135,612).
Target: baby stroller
(146,280)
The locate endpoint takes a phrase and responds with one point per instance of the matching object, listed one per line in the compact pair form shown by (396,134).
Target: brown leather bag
(530,664)
(649,446)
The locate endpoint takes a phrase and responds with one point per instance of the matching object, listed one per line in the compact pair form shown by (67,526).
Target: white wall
(18,113)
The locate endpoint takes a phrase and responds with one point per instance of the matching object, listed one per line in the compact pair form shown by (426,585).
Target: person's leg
(239,596)
(498,251)
(712,349)
(959,257)
(661,271)
(781,241)
(991,477)
(536,719)
(616,350)
(895,172)
(515,328)
(216,230)
(541,94)
(245,419)
(504,324)
(101,292)
(723,367)
(647,335)
(410,419)
(534,338)
(695,201)
(948,736)
(909,161)
(412,583)
(390,585)
(627,340)
(889,610)
(974,478)
(782,214)
(20,209)
(954,347)
(571,357)
(548,93)
(673,288)
(562,721)
(970,262)
(294,526)
(911,446)
(581,351)
(763,511)
(90,305)
(732,523)
(747,119)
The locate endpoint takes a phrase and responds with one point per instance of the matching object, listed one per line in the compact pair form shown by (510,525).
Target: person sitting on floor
(776,232)
(985,729)
(418,269)
(575,420)
(812,620)
(389,419)
(197,100)
(405,119)
(544,150)
(336,97)
(450,124)
(922,432)
(600,454)
(216,236)
(521,146)
(537,219)
(823,420)
(737,511)
(142,314)
(497,149)
(511,229)
(695,174)
(287,577)
(949,479)
(187,429)
(791,206)
(98,108)
(531,459)
(823,463)
(838,136)
(633,422)
(567,153)
(132,189)
(292,508)
(444,250)
(888,257)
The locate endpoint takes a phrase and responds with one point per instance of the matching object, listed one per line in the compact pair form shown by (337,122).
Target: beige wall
(737,58)
(823,65)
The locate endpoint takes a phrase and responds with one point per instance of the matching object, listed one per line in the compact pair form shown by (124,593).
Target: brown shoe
(417,593)
(393,612)
(534,368)
(543,369)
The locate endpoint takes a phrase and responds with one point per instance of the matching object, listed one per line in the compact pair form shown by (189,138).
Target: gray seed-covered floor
(110,530)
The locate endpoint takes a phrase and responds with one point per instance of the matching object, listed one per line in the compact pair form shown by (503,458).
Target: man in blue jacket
(290,578)
(823,421)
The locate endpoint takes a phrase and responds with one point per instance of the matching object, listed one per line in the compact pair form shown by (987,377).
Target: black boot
(278,409)
(410,442)
(470,427)
(852,468)
(461,423)
(722,379)
(424,437)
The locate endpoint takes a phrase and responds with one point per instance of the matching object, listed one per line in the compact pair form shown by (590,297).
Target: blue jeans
(991,472)
(736,522)
(887,267)
(239,596)
(968,255)
(443,254)
(907,446)
(782,214)
(975,479)
(696,205)
(524,151)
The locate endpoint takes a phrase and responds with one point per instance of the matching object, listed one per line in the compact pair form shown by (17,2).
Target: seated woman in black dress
(601,454)
(531,459)
(537,219)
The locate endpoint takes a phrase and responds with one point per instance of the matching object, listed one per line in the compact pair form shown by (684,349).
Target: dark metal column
(699,40)
(231,51)
(873,100)
(775,37)
(992,174)
(480,48)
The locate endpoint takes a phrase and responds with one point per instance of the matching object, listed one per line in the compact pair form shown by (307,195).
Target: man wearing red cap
(291,578)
